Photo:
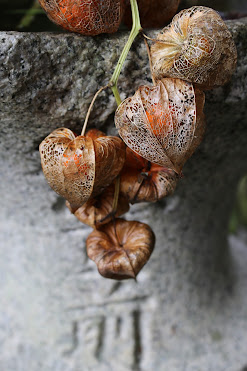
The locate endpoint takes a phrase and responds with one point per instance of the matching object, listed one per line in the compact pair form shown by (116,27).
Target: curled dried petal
(88,17)
(159,123)
(98,210)
(197,47)
(120,248)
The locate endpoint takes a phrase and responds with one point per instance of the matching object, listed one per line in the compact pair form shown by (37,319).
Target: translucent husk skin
(197,47)
(164,123)
(91,17)
(120,248)
(143,181)
(80,167)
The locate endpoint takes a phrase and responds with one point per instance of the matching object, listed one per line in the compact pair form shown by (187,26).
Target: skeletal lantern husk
(164,123)
(141,180)
(121,248)
(98,210)
(153,13)
(80,167)
(90,17)
(197,47)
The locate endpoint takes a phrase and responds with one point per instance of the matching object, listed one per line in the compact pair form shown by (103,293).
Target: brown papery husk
(109,161)
(80,167)
(197,47)
(142,181)
(120,248)
(153,13)
(95,133)
(98,210)
(159,123)
(91,17)
(68,163)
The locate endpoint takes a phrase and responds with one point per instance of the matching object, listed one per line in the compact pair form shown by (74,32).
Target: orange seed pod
(80,167)
(88,17)
(164,124)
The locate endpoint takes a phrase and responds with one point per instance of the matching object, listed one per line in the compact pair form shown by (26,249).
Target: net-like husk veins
(80,167)
(141,180)
(99,210)
(153,13)
(88,17)
(120,248)
(164,123)
(197,47)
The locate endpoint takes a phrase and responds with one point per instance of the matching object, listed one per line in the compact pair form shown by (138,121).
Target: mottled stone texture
(188,309)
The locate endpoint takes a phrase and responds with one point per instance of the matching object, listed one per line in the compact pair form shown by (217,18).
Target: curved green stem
(136,28)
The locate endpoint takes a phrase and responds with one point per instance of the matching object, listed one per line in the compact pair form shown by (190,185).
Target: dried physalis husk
(95,133)
(88,17)
(153,13)
(142,180)
(120,248)
(164,124)
(80,167)
(197,46)
(98,210)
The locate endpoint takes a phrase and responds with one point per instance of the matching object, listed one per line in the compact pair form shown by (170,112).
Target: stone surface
(188,309)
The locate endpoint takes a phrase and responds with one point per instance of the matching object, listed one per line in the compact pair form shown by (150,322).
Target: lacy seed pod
(98,210)
(80,167)
(164,124)
(120,248)
(88,17)
(153,13)
(197,47)
(142,180)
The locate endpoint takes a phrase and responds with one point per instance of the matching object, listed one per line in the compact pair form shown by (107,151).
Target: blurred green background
(26,15)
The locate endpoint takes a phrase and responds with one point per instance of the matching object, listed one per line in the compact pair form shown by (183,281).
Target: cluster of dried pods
(93,17)
(162,125)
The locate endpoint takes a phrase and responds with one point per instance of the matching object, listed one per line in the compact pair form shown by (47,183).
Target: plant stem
(150,61)
(90,108)
(136,28)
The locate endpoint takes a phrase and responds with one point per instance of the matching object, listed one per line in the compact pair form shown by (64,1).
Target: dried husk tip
(120,248)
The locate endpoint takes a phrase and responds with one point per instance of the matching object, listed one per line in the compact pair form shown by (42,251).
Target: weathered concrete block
(188,308)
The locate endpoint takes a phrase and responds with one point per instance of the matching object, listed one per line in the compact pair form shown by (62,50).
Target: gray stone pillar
(188,308)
